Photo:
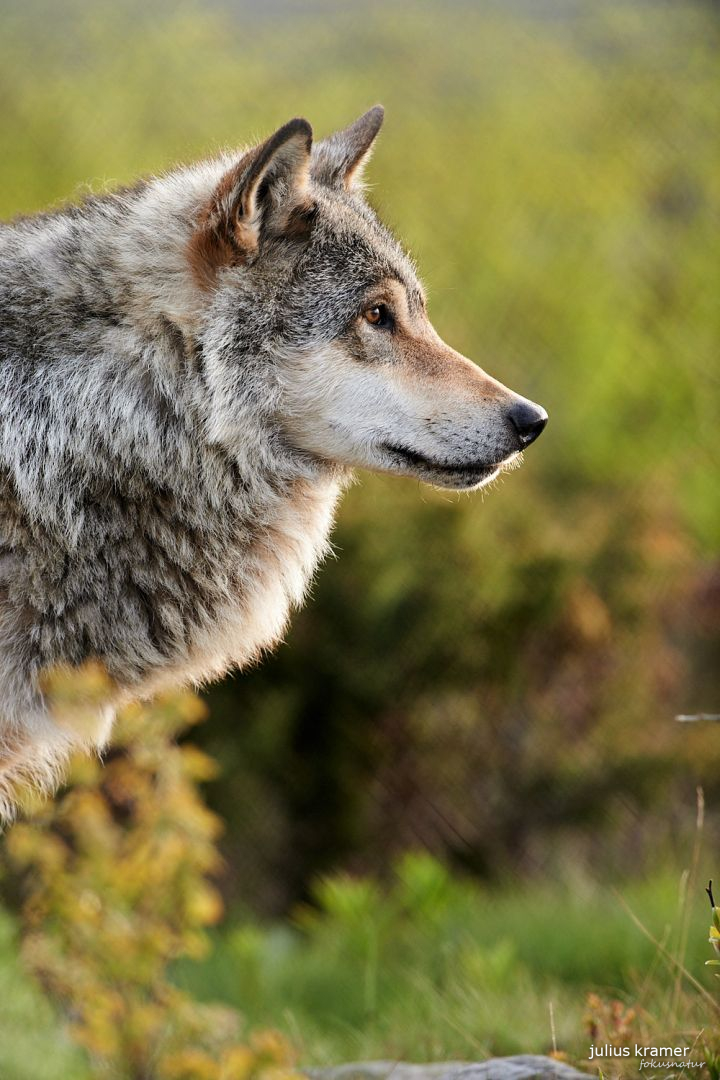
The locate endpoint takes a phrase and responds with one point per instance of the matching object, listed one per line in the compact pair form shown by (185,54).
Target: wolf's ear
(256,195)
(339,160)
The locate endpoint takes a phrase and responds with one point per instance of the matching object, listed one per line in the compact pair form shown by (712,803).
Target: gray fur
(158,512)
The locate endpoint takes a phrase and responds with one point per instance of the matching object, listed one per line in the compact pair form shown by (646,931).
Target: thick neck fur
(141,460)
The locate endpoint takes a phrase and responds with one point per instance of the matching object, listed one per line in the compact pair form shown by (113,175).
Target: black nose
(528,421)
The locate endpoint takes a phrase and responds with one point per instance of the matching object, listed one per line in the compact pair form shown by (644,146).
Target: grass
(437,968)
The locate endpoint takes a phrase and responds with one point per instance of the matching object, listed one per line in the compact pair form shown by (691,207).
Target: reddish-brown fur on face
(211,246)
(422,357)
(228,227)
(426,357)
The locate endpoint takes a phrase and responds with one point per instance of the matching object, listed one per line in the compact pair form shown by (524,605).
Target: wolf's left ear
(256,195)
(339,160)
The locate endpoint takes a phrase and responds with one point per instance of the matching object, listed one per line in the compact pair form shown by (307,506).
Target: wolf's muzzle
(528,420)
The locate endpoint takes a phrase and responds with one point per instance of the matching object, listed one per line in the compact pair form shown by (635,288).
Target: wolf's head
(324,291)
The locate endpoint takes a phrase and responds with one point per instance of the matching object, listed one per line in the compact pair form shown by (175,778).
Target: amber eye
(379,315)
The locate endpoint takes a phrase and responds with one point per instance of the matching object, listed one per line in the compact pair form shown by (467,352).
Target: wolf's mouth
(472,472)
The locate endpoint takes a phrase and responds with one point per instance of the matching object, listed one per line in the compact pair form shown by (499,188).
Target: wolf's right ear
(339,160)
(257,194)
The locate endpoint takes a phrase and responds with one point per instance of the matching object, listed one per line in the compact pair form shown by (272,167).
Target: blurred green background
(490,679)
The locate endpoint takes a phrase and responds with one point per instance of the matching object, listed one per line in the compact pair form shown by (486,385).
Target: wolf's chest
(246,589)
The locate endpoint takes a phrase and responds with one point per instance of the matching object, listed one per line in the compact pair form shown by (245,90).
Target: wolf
(190,370)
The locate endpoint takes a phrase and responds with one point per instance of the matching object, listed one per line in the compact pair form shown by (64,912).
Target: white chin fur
(461,481)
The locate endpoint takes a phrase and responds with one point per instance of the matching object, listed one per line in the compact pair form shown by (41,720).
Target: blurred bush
(115,880)
(493,680)
(34,1044)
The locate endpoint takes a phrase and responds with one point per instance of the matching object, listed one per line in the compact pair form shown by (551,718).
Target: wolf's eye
(379,316)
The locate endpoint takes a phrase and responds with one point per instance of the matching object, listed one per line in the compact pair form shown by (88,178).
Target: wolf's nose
(528,421)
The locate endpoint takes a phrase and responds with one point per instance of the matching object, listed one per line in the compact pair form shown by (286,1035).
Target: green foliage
(436,966)
(33,1043)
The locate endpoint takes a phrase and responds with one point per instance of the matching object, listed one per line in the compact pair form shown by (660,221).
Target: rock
(521,1067)
(386,1070)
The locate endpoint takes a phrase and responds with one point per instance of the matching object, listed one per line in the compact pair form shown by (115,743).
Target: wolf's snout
(528,420)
